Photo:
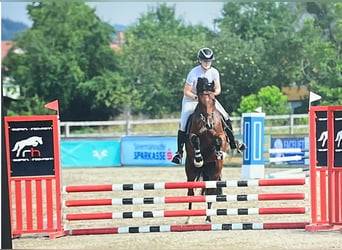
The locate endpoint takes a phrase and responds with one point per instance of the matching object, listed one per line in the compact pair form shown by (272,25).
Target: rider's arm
(188,93)
(217,88)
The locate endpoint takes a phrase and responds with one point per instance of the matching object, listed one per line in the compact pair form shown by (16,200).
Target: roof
(115,47)
(5,47)
(295,93)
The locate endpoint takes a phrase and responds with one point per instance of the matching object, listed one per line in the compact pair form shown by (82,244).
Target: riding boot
(228,129)
(181,138)
(234,144)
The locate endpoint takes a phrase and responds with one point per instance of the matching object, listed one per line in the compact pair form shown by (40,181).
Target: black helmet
(205,54)
(204,85)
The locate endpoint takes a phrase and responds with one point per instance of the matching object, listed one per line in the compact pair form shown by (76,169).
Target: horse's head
(206,101)
(203,85)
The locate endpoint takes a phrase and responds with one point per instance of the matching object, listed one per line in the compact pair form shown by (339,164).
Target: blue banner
(147,151)
(287,143)
(100,153)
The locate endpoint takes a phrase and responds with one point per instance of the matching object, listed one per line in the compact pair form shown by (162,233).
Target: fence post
(253,136)
(128,118)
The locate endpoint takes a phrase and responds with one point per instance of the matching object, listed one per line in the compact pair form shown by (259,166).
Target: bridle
(208,117)
(208,120)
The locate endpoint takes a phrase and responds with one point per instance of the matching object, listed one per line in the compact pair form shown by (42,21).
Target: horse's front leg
(208,218)
(218,149)
(190,193)
(212,191)
(198,160)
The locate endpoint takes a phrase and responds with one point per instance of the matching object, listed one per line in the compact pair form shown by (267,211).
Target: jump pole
(188,228)
(181,185)
(184,213)
(185,199)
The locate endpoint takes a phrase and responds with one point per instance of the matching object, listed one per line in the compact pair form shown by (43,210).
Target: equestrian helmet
(205,54)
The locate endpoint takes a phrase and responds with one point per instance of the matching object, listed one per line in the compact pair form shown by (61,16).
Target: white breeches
(188,107)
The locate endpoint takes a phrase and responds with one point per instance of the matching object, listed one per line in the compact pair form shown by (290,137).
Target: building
(296,95)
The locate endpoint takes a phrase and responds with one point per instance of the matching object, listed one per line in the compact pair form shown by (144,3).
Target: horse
(206,144)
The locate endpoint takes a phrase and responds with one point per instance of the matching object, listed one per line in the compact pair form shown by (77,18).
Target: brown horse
(206,146)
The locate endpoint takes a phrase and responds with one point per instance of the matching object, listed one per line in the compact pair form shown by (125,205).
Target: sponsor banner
(147,151)
(31,148)
(90,153)
(282,143)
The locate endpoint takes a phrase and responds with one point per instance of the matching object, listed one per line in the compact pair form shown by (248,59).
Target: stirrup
(241,146)
(177,159)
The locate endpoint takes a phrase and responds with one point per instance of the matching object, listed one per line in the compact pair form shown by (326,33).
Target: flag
(52,105)
(314,97)
(258,109)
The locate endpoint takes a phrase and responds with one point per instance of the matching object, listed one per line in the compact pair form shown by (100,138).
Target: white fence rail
(278,124)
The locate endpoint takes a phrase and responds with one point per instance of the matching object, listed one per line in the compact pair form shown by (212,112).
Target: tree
(66,56)
(160,50)
(66,50)
(287,43)
(254,43)
(251,20)
(270,98)
(321,36)
(240,72)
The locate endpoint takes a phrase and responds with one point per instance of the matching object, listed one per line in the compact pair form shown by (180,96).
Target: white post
(253,136)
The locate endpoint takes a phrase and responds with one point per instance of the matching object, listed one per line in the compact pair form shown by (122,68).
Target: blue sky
(126,13)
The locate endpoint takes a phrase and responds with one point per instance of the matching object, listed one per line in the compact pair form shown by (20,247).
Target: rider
(189,102)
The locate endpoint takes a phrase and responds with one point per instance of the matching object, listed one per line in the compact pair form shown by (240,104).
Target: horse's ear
(204,85)
(211,86)
(201,84)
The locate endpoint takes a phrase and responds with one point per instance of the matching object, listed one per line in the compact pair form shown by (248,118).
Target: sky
(127,13)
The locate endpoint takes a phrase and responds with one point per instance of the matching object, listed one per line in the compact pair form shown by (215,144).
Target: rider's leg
(188,107)
(233,143)
(181,138)
(228,128)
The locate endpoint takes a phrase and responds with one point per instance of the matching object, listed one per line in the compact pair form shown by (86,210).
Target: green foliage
(33,105)
(159,51)
(270,98)
(66,46)
(251,41)
(259,48)
(322,63)
(237,61)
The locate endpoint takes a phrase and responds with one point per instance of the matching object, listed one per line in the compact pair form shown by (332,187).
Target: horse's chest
(207,125)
